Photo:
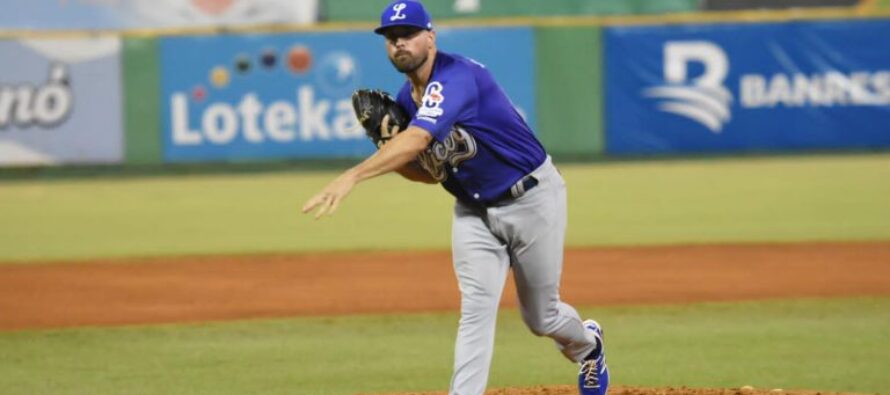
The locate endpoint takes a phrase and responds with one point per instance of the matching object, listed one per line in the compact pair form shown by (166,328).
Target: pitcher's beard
(410,65)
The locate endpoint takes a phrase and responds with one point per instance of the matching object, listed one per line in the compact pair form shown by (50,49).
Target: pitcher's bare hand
(329,198)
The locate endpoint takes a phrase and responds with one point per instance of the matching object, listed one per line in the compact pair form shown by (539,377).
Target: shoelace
(591,378)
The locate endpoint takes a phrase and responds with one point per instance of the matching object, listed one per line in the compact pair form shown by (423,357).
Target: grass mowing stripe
(830,344)
(705,201)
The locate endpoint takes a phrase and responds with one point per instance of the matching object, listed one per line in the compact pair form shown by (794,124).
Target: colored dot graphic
(242,63)
(219,77)
(299,59)
(269,58)
(199,93)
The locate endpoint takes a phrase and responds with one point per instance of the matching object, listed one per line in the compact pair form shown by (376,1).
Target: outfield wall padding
(569,85)
(142,119)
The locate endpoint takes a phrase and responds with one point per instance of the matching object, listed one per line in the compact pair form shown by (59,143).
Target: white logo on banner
(827,89)
(704,99)
(257,121)
(46,105)
(398,9)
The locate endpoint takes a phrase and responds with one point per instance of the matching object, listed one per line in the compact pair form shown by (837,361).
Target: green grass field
(669,202)
(840,345)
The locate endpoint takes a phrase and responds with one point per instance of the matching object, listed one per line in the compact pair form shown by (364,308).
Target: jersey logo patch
(432,100)
(458,147)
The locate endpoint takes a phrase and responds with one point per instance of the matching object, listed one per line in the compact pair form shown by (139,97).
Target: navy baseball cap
(404,13)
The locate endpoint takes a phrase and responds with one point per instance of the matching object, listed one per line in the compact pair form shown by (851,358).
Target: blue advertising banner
(60,102)
(744,87)
(275,96)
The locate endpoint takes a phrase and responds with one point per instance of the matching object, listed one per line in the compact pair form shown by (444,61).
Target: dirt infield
(198,289)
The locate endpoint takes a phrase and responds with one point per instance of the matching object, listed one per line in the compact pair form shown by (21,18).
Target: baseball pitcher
(452,124)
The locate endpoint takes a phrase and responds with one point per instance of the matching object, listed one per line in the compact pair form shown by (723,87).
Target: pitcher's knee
(478,310)
(540,329)
(541,325)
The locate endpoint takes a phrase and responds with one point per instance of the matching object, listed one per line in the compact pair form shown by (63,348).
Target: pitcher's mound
(621,390)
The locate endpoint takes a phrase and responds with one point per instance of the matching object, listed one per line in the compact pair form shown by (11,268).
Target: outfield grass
(702,201)
(840,344)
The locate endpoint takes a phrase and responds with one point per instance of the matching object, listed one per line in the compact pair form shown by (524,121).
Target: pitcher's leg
(538,256)
(546,315)
(480,264)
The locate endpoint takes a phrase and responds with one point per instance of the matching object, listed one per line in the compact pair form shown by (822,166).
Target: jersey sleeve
(447,101)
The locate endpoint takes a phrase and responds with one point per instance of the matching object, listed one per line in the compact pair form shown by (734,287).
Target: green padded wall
(142,89)
(569,85)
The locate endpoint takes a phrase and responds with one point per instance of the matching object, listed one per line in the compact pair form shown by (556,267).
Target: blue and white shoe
(593,379)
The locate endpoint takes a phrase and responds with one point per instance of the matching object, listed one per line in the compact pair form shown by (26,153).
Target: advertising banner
(151,14)
(279,96)
(744,87)
(60,102)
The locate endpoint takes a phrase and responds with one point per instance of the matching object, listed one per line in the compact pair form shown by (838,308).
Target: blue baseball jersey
(481,144)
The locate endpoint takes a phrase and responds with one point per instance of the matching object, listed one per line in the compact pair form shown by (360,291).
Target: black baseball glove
(371,107)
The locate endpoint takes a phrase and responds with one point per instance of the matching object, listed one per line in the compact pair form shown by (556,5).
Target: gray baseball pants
(527,234)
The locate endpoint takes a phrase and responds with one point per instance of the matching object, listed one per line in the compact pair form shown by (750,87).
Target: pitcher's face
(408,47)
